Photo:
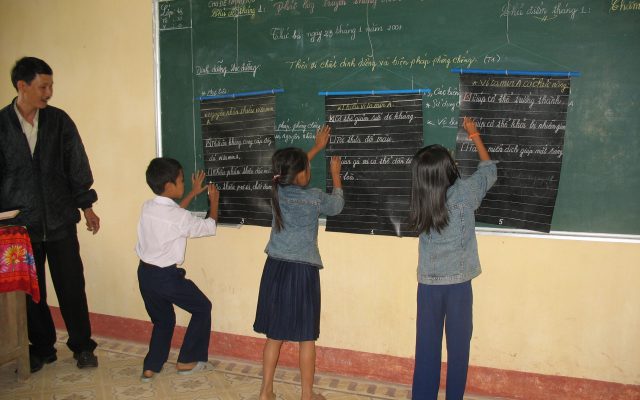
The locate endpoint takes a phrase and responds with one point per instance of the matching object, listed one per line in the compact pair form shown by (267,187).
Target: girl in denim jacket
(442,210)
(289,298)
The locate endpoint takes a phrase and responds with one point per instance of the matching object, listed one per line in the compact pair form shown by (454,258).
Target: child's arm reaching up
(336,178)
(474,134)
(196,188)
(214,197)
(322,138)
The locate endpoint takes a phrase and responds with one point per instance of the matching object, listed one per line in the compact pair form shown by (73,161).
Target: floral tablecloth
(17,265)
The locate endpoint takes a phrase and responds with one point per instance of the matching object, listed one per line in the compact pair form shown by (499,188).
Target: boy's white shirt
(163,230)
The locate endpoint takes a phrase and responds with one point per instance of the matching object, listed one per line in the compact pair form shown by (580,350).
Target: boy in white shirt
(162,239)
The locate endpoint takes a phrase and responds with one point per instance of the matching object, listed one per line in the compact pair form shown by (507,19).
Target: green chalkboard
(213,47)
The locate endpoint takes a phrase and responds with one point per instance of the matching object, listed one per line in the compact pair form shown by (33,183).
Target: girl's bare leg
(270,356)
(308,369)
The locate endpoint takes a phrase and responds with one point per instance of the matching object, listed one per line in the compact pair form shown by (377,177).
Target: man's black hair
(27,68)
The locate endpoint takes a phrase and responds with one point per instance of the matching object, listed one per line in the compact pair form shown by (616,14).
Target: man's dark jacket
(49,187)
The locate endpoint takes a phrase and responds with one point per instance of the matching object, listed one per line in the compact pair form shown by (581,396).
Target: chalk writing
(229,186)
(220,68)
(289,132)
(544,12)
(355,161)
(443,98)
(534,83)
(444,122)
(232,8)
(401,62)
(238,142)
(620,6)
(173,15)
(285,33)
(293,6)
(237,170)
(213,92)
(211,116)
(522,151)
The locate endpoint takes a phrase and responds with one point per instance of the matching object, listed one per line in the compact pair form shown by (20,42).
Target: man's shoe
(86,359)
(37,362)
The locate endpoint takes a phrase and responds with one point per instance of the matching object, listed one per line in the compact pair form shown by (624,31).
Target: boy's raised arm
(196,188)
(214,198)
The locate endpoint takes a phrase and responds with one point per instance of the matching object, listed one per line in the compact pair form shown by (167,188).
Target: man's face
(37,93)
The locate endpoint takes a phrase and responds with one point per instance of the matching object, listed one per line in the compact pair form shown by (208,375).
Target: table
(17,277)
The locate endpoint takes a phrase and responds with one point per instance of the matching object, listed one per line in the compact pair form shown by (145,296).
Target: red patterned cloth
(17,265)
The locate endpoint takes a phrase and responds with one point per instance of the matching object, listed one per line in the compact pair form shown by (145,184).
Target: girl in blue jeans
(442,210)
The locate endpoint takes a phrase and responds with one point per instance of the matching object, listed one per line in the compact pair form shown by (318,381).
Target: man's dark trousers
(67,275)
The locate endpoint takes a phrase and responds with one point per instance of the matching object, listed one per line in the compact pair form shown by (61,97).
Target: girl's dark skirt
(289,301)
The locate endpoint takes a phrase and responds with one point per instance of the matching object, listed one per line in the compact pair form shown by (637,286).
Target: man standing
(45,173)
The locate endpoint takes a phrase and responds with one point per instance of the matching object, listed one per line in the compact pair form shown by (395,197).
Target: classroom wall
(553,307)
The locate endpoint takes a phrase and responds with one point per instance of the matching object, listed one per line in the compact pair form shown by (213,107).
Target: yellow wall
(555,307)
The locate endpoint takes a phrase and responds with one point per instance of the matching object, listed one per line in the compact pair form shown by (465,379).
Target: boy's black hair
(27,68)
(161,171)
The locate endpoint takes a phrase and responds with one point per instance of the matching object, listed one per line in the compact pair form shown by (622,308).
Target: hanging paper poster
(238,142)
(522,121)
(376,136)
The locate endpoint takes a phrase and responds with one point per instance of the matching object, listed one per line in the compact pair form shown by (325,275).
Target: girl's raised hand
(470,127)
(474,134)
(335,165)
(322,136)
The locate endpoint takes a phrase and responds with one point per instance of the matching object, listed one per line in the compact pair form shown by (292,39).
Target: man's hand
(93,221)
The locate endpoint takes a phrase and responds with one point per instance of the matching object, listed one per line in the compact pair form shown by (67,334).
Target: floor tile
(120,366)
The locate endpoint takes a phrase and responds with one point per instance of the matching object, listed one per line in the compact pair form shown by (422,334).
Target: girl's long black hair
(287,163)
(433,171)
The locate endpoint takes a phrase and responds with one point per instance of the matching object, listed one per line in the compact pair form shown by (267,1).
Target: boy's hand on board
(213,192)
(197,179)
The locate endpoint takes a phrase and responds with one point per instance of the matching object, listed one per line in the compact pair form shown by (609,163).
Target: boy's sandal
(199,367)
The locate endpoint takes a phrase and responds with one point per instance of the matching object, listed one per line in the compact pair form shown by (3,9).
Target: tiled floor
(118,377)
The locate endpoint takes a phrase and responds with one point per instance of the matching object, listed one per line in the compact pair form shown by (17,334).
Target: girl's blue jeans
(448,308)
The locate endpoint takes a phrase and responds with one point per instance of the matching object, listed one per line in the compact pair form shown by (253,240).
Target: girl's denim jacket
(300,209)
(451,256)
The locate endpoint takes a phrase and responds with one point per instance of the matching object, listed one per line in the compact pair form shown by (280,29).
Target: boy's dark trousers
(449,307)
(161,288)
